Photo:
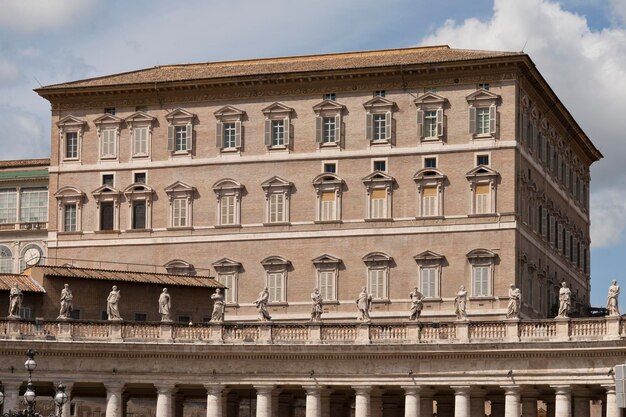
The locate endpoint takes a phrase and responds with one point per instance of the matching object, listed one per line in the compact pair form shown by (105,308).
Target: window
(379,93)
(277,126)
(179,267)
(327,269)
(107,200)
(483,181)
(277,195)
(71,145)
(482,117)
(228,280)
(430,120)
(108,179)
(378,200)
(141,317)
(184,319)
(326,284)
(69,218)
(276,269)
(379,188)
(482,262)
(108,143)
(430,197)
(430,162)
(6,260)
(379,165)
(482,120)
(108,128)
(277,208)
(180,196)
(329,189)
(104,315)
(329,125)
(429,267)
(230,135)
(228,199)
(330,96)
(140,141)
(8,205)
(139,197)
(70,135)
(278,132)
(480,280)
(227,274)
(484,86)
(139,177)
(70,200)
(139,215)
(430,123)
(106,216)
(428,282)
(228,129)
(110,110)
(482,193)
(378,264)
(330,167)
(379,120)
(140,127)
(180,131)
(26,312)
(379,127)
(33,205)
(75,313)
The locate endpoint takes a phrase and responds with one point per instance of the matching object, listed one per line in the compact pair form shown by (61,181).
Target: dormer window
(379,120)
(482,114)
(70,137)
(228,130)
(430,116)
(328,130)
(278,133)
(180,132)
(108,127)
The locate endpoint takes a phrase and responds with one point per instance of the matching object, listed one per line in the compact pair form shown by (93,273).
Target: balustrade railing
(506,331)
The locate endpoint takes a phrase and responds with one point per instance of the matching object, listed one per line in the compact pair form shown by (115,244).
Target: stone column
(164,403)
(67,407)
(426,403)
(611,402)
(477,402)
(562,401)
(214,401)
(512,406)
(461,400)
(362,401)
(412,401)
(115,403)
(263,400)
(11,396)
(313,401)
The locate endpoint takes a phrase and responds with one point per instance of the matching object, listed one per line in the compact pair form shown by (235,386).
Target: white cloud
(619,8)
(587,70)
(23,132)
(34,15)
(9,72)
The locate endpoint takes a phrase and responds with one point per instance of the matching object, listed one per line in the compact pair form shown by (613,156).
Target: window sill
(277,224)
(436,139)
(108,158)
(429,217)
(71,160)
(328,221)
(137,230)
(76,233)
(380,219)
(433,299)
(482,298)
(380,143)
(228,226)
(181,154)
(180,228)
(229,150)
(330,302)
(478,215)
(483,136)
(278,149)
(329,145)
(106,232)
(140,156)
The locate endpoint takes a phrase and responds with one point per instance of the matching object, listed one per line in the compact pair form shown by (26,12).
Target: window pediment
(138,190)
(179,115)
(328,107)
(377,258)
(428,174)
(107,119)
(481,254)
(226,184)
(69,192)
(379,104)
(276,183)
(226,264)
(482,96)
(275,261)
(71,121)
(277,109)
(179,187)
(429,256)
(326,260)
(481,171)
(229,113)
(430,99)
(139,118)
(105,190)
(378,178)
(179,267)
(327,178)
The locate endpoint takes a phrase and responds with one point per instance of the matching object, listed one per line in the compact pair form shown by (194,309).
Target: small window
(26,312)
(483,86)
(184,319)
(431,90)
(482,160)
(110,110)
(108,179)
(330,96)
(140,177)
(430,162)
(380,165)
(379,93)
(278,132)
(330,167)
(141,317)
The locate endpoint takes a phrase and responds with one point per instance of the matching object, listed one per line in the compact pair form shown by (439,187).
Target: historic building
(423,167)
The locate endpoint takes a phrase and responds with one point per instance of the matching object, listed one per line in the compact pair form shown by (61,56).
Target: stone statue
(460,302)
(364,303)
(15,301)
(165,305)
(218,306)
(612,307)
(66,303)
(113,304)
(261,305)
(317,310)
(515,301)
(564,300)
(416,304)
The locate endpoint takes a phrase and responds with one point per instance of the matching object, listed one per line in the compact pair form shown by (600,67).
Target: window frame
(7,263)
(278,112)
(379,106)
(179,120)
(65,196)
(328,183)
(229,267)
(225,189)
(379,262)
(427,178)
(71,124)
(377,181)
(431,102)
(107,194)
(277,186)
(108,128)
(225,116)
(486,101)
(480,176)
(140,120)
(185,192)
(482,258)
(276,266)
(430,260)
(139,193)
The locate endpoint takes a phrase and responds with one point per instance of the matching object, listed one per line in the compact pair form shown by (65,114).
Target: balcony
(23,226)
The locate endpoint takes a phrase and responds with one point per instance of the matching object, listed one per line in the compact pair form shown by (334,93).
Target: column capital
(461,389)
(512,389)
(562,389)
(264,389)
(362,390)
(609,387)
(214,388)
(164,388)
(411,389)
(114,386)
(313,389)
(15,385)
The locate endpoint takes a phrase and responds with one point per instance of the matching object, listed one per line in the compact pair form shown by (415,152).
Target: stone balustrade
(576,329)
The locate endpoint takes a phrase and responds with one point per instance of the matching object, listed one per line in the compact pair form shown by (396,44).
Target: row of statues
(363,303)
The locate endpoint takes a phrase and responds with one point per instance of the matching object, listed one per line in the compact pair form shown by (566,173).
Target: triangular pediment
(327,178)
(430,98)
(179,186)
(140,116)
(378,176)
(378,102)
(179,113)
(481,254)
(105,189)
(68,191)
(107,119)
(226,183)
(70,121)
(428,173)
(326,259)
(482,95)
(482,171)
(229,111)
(328,105)
(277,108)
(276,182)
(428,255)
(226,263)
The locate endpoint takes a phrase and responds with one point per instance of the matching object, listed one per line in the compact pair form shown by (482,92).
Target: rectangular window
(327,285)
(482,160)
(430,162)
(378,204)
(482,120)
(34,205)
(69,218)
(275,286)
(229,281)
(330,167)
(277,208)
(430,123)
(110,110)
(179,212)
(379,126)
(376,283)
(329,130)
(428,282)
(484,86)
(482,193)
(140,141)
(328,206)
(71,145)
(278,132)
(140,177)
(330,96)
(108,136)
(429,201)
(106,215)
(380,93)
(230,135)
(141,317)
(180,138)
(8,205)
(108,179)
(480,280)
(139,215)
(227,209)
(380,165)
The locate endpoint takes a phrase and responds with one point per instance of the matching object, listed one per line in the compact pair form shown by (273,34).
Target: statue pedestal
(65,331)
(612,327)
(462,330)
(562,328)
(363,334)
(217,331)
(165,335)
(512,330)
(315,333)
(14,327)
(115,334)
(265,333)
(413,332)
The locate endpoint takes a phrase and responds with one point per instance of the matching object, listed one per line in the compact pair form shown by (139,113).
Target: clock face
(32,256)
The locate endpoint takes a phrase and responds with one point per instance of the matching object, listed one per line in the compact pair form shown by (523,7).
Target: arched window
(6,260)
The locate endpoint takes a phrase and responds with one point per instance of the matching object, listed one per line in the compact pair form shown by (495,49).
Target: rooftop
(21,163)
(26,283)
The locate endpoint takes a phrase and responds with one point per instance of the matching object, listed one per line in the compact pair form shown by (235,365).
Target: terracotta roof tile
(26,283)
(267,66)
(18,163)
(129,276)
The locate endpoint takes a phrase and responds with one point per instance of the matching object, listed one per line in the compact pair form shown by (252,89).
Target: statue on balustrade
(363,304)
(460,302)
(612,307)
(66,303)
(261,305)
(218,306)
(165,305)
(515,302)
(113,301)
(15,301)
(317,309)
(565,299)
(416,304)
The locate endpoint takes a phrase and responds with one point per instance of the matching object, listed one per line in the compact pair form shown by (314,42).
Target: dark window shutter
(238,134)
(472,120)
(268,133)
(420,124)
(319,135)
(369,125)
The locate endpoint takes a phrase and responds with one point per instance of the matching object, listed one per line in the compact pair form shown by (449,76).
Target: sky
(578,45)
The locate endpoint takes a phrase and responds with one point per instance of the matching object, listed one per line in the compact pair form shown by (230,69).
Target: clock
(32,256)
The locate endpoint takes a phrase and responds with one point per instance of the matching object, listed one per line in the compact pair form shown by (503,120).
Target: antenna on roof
(40,85)
(524,47)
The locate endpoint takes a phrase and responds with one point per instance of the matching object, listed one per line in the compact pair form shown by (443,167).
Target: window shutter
(420,124)
(287,132)
(103,140)
(369,125)
(492,119)
(170,138)
(388,121)
(268,133)
(472,120)
(219,131)
(439,122)
(338,129)
(318,129)
(238,134)
(189,136)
